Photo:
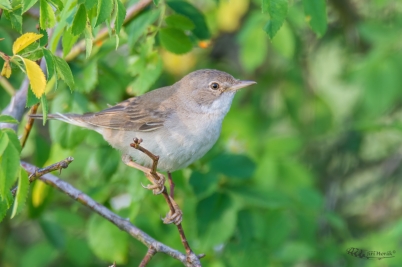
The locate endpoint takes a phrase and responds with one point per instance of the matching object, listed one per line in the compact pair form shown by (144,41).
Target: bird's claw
(173,217)
(157,186)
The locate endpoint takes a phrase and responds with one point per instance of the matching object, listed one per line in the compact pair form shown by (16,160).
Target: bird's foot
(157,185)
(173,217)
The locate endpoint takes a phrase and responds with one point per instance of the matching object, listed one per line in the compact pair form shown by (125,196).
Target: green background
(308,163)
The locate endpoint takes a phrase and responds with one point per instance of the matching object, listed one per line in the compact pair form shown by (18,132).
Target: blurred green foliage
(308,161)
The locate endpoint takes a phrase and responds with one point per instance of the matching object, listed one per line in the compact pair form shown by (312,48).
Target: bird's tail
(74,119)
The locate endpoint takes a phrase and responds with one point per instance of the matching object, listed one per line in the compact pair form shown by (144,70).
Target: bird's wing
(129,115)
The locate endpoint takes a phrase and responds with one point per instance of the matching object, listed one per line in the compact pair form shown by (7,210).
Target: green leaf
(175,40)
(45,38)
(89,4)
(5,204)
(316,15)
(216,220)
(9,161)
(234,166)
(58,4)
(15,17)
(80,21)
(156,2)
(3,142)
(50,65)
(64,71)
(27,4)
(31,99)
(45,108)
(138,26)
(186,9)
(111,245)
(120,16)
(88,41)
(22,192)
(47,17)
(68,40)
(277,10)
(6,5)
(179,22)
(104,11)
(7,119)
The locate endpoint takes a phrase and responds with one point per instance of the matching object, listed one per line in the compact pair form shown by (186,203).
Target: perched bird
(178,123)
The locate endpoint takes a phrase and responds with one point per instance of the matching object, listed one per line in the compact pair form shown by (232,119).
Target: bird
(179,123)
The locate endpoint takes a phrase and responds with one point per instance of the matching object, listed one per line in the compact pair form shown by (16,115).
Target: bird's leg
(157,179)
(175,215)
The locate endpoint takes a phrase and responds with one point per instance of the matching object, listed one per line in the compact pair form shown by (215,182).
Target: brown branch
(191,257)
(150,253)
(103,33)
(40,172)
(120,222)
(171,184)
(28,126)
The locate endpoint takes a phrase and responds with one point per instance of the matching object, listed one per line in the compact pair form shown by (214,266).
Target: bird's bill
(241,84)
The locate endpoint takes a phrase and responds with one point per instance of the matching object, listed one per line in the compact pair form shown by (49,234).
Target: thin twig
(39,172)
(28,126)
(121,223)
(171,184)
(191,257)
(103,33)
(150,253)
(7,86)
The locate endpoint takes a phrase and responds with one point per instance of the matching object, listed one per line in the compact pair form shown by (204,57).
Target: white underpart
(189,137)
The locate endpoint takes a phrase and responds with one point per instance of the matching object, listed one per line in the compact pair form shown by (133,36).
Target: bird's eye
(214,86)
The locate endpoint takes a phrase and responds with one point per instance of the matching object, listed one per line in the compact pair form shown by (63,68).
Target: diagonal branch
(40,172)
(123,224)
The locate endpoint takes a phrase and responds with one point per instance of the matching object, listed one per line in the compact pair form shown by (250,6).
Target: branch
(40,172)
(121,223)
(28,126)
(103,33)
(150,253)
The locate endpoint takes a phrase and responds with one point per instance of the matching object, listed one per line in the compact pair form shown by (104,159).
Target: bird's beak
(240,84)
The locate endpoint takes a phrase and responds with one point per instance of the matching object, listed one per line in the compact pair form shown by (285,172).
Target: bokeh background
(308,163)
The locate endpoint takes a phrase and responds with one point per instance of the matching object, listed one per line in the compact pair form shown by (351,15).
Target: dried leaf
(6,71)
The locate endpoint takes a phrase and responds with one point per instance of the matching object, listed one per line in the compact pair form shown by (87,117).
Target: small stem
(28,126)
(150,253)
(171,185)
(7,86)
(40,172)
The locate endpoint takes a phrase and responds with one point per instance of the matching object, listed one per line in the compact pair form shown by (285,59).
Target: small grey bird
(179,123)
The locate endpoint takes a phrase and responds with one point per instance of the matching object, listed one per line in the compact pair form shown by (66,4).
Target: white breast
(183,139)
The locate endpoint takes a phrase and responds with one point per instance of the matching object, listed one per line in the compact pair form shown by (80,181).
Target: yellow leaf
(6,71)
(39,192)
(25,40)
(36,77)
